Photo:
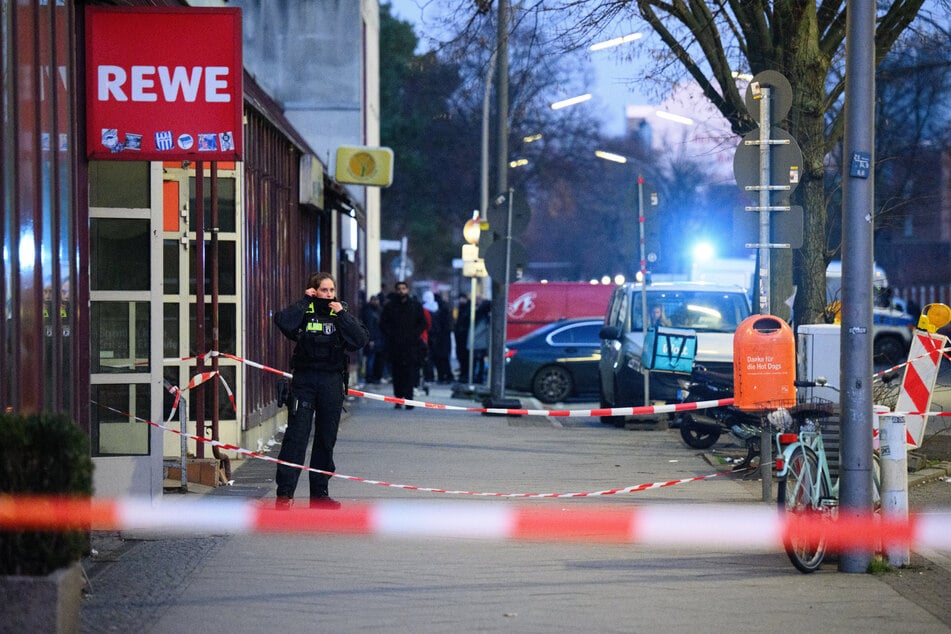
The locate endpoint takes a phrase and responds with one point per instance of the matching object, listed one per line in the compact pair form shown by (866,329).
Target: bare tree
(708,42)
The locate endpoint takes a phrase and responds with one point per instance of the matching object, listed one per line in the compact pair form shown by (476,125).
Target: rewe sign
(163,83)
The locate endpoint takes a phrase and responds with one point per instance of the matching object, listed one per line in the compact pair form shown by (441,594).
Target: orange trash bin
(764,364)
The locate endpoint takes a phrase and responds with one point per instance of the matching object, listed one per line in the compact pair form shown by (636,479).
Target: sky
(608,89)
(707,138)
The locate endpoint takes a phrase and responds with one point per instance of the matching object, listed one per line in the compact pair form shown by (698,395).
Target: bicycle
(808,484)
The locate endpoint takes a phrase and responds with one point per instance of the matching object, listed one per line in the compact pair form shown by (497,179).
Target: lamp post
(618,158)
(471,232)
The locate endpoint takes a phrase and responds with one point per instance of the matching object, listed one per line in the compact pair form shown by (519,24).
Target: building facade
(103,309)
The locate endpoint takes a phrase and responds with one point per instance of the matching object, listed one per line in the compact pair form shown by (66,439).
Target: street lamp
(617,41)
(571,101)
(618,158)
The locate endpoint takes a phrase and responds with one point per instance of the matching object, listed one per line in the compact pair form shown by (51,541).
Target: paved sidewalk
(250,583)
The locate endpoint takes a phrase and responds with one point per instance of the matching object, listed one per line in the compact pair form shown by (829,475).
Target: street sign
(785,165)
(497,215)
(785,226)
(495,260)
(401,267)
(474,268)
(780,95)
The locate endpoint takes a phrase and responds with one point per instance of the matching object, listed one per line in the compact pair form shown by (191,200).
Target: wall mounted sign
(360,165)
(163,83)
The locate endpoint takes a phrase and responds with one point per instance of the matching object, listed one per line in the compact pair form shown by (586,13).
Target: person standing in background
(480,341)
(403,324)
(374,351)
(460,332)
(440,341)
(431,311)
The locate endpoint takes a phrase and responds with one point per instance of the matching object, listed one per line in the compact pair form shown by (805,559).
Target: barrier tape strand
(740,528)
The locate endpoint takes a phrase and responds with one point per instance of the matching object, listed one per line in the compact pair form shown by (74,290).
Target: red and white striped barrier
(917,386)
(737,528)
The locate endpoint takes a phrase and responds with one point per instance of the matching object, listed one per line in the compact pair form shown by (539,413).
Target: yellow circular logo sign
(362,165)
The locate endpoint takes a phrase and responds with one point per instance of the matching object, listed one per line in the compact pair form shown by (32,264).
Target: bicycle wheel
(802,493)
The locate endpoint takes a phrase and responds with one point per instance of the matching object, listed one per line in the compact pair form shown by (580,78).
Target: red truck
(534,304)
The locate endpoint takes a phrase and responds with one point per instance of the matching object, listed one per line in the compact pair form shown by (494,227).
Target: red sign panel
(163,83)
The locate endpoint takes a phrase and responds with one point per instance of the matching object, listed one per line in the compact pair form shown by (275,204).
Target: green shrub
(45,454)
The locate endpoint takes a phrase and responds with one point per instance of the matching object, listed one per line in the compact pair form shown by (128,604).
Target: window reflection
(119,336)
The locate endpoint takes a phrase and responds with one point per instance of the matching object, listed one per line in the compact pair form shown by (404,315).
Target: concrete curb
(940,470)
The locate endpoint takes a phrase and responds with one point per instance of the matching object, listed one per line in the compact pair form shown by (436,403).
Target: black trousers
(318,395)
(404,368)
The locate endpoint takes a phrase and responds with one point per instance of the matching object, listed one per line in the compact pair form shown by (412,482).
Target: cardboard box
(202,471)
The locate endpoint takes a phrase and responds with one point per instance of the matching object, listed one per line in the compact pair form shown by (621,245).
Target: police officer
(324,331)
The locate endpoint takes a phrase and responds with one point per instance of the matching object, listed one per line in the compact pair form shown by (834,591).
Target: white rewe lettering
(175,84)
(180,80)
(111,79)
(216,84)
(143,83)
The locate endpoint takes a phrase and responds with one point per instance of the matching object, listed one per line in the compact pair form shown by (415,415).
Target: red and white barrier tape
(411,487)
(195,381)
(943,351)
(739,528)
(614,411)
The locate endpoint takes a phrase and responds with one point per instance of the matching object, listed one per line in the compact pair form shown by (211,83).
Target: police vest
(319,344)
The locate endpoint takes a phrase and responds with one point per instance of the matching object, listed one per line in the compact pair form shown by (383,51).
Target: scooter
(701,429)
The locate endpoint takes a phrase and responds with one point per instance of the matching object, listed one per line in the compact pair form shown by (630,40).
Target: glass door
(179,301)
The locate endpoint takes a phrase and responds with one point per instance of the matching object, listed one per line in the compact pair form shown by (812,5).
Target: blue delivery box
(669,350)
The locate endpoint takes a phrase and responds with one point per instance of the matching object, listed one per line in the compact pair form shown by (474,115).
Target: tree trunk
(807,71)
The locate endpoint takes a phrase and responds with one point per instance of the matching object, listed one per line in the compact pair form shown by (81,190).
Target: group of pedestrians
(408,337)
(400,338)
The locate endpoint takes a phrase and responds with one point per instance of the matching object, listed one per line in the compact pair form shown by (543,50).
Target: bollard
(894,485)
(877,412)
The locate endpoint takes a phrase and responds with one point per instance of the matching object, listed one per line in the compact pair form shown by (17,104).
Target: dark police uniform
(320,365)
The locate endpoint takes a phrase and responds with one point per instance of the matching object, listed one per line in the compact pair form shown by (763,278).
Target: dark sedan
(557,361)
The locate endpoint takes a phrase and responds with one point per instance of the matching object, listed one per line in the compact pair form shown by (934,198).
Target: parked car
(713,311)
(555,362)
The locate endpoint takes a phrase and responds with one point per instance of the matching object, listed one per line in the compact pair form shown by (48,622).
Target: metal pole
(855,491)
(483,204)
(500,287)
(766,437)
(643,255)
(764,200)
(199,343)
(183,428)
(508,273)
(472,308)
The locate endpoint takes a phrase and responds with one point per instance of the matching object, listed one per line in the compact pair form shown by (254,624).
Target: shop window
(117,415)
(170,272)
(171,341)
(227,283)
(227,323)
(116,262)
(119,337)
(226,204)
(119,184)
